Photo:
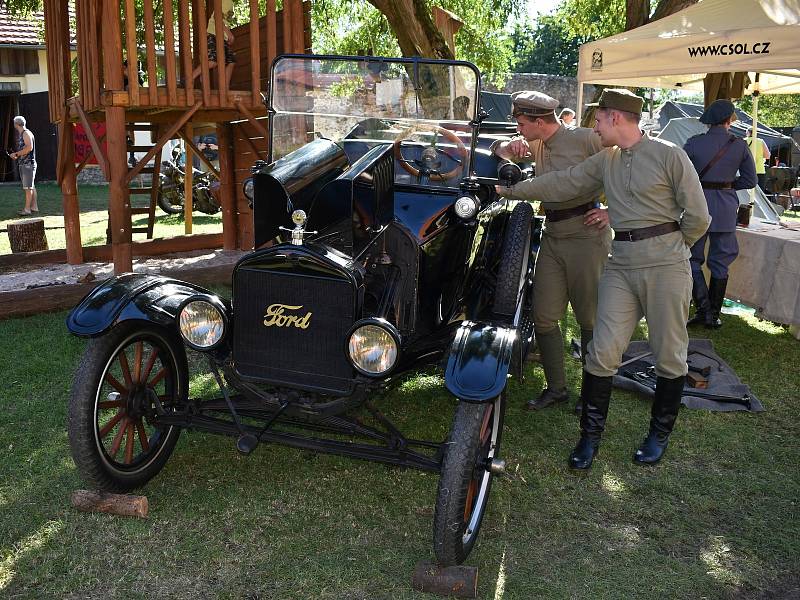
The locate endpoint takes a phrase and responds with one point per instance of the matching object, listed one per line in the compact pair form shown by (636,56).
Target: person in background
(761,154)
(211,42)
(25,155)
(657,209)
(575,241)
(567,117)
(717,155)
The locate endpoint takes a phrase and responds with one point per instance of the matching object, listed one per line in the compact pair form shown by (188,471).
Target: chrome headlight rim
(466,206)
(214,302)
(249,185)
(388,328)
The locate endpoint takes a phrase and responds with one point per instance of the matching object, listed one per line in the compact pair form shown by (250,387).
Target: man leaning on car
(657,209)
(575,240)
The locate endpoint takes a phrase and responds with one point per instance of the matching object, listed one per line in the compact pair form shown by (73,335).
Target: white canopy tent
(712,36)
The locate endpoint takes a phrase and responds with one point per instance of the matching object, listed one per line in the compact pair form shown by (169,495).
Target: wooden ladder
(136,191)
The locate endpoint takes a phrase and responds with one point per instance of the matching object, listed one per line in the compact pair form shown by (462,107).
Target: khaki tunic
(572,255)
(651,183)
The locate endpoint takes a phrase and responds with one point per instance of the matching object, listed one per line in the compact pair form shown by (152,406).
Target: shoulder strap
(717,156)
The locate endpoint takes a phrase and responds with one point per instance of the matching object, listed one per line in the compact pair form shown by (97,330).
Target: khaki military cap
(533,104)
(620,99)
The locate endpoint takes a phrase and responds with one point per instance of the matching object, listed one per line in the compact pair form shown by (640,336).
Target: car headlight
(466,206)
(373,347)
(248,188)
(201,323)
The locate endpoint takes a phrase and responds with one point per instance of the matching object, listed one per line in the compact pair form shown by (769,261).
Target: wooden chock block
(125,505)
(460,581)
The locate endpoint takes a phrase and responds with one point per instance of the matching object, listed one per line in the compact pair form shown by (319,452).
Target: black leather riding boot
(662,419)
(595,396)
(702,306)
(716,295)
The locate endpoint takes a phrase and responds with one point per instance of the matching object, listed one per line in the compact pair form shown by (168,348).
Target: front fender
(130,296)
(479,360)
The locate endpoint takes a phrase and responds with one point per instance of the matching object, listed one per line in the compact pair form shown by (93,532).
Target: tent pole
(579,108)
(755,146)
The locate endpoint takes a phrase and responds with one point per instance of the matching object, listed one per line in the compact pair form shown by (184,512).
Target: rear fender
(150,298)
(479,361)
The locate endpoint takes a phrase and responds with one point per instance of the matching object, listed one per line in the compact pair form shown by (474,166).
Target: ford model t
(380,248)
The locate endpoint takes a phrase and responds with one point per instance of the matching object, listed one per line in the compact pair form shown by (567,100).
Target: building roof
(21,32)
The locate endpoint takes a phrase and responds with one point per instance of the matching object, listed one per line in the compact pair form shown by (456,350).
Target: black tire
(168,207)
(465,481)
(123,380)
(514,260)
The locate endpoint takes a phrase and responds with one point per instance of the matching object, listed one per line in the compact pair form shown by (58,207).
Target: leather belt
(717,185)
(634,235)
(568,213)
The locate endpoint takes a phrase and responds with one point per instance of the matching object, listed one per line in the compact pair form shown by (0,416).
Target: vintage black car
(380,248)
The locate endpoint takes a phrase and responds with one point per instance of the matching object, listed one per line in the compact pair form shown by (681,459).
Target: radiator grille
(310,358)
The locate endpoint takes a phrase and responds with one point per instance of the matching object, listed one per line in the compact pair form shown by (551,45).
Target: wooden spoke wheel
(125,380)
(466,480)
(427,164)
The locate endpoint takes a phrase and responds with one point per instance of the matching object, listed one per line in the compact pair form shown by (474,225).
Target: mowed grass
(94,216)
(718,519)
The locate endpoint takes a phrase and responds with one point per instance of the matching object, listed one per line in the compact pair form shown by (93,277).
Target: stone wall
(565,89)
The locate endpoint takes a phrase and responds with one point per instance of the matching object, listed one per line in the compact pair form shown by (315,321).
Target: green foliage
(593,19)
(347,87)
(550,48)
(774,110)
(356,27)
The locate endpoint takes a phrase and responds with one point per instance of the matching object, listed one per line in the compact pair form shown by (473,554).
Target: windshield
(349,99)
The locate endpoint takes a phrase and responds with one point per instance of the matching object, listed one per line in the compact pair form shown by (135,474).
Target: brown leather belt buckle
(624,236)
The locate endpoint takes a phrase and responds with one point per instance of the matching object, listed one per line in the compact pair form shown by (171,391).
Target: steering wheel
(428,164)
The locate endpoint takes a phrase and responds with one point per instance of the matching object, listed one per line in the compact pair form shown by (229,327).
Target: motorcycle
(205,188)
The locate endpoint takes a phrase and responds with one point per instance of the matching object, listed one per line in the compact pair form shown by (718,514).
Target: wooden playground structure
(167,40)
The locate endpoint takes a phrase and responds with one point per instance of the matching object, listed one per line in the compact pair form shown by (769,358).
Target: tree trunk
(636,13)
(669,7)
(27,235)
(412,23)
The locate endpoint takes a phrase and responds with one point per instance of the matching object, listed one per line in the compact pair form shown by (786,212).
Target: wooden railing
(168,39)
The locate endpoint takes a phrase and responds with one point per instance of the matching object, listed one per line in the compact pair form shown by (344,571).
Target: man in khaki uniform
(657,209)
(575,241)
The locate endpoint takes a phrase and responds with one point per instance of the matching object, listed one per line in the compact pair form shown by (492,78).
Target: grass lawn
(718,519)
(94,216)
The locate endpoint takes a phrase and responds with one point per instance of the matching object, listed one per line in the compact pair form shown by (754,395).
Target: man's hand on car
(516,148)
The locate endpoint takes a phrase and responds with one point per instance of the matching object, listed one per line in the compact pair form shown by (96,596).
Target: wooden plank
(188,182)
(262,130)
(125,505)
(132,51)
(222,78)
(201,25)
(255,64)
(169,53)
(298,39)
(69,193)
(271,33)
(186,50)
(229,233)
(167,135)
(150,51)
(102,159)
(119,206)
(286,26)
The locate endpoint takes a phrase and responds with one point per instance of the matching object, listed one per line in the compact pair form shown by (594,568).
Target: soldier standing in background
(717,156)
(575,241)
(657,209)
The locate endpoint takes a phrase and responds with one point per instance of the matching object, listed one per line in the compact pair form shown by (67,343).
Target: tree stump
(460,581)
(27,235)
(126,505)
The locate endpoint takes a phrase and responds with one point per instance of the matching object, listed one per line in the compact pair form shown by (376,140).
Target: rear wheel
(124,380)
(466,480)
(167,206)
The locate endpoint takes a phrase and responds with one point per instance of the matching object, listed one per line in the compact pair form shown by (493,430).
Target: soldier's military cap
(533,104)
(620,99)
(717,112)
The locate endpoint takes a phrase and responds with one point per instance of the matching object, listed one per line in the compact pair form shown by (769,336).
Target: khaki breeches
(568,270)
(661,295)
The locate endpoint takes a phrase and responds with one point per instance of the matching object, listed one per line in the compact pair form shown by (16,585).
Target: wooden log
(125,505)
(27,235)
(460,581)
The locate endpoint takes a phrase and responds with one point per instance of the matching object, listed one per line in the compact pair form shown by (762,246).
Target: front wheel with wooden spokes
(125,380)
(466,478)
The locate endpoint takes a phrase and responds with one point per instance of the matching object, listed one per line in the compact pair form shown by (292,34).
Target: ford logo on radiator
(275,317)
